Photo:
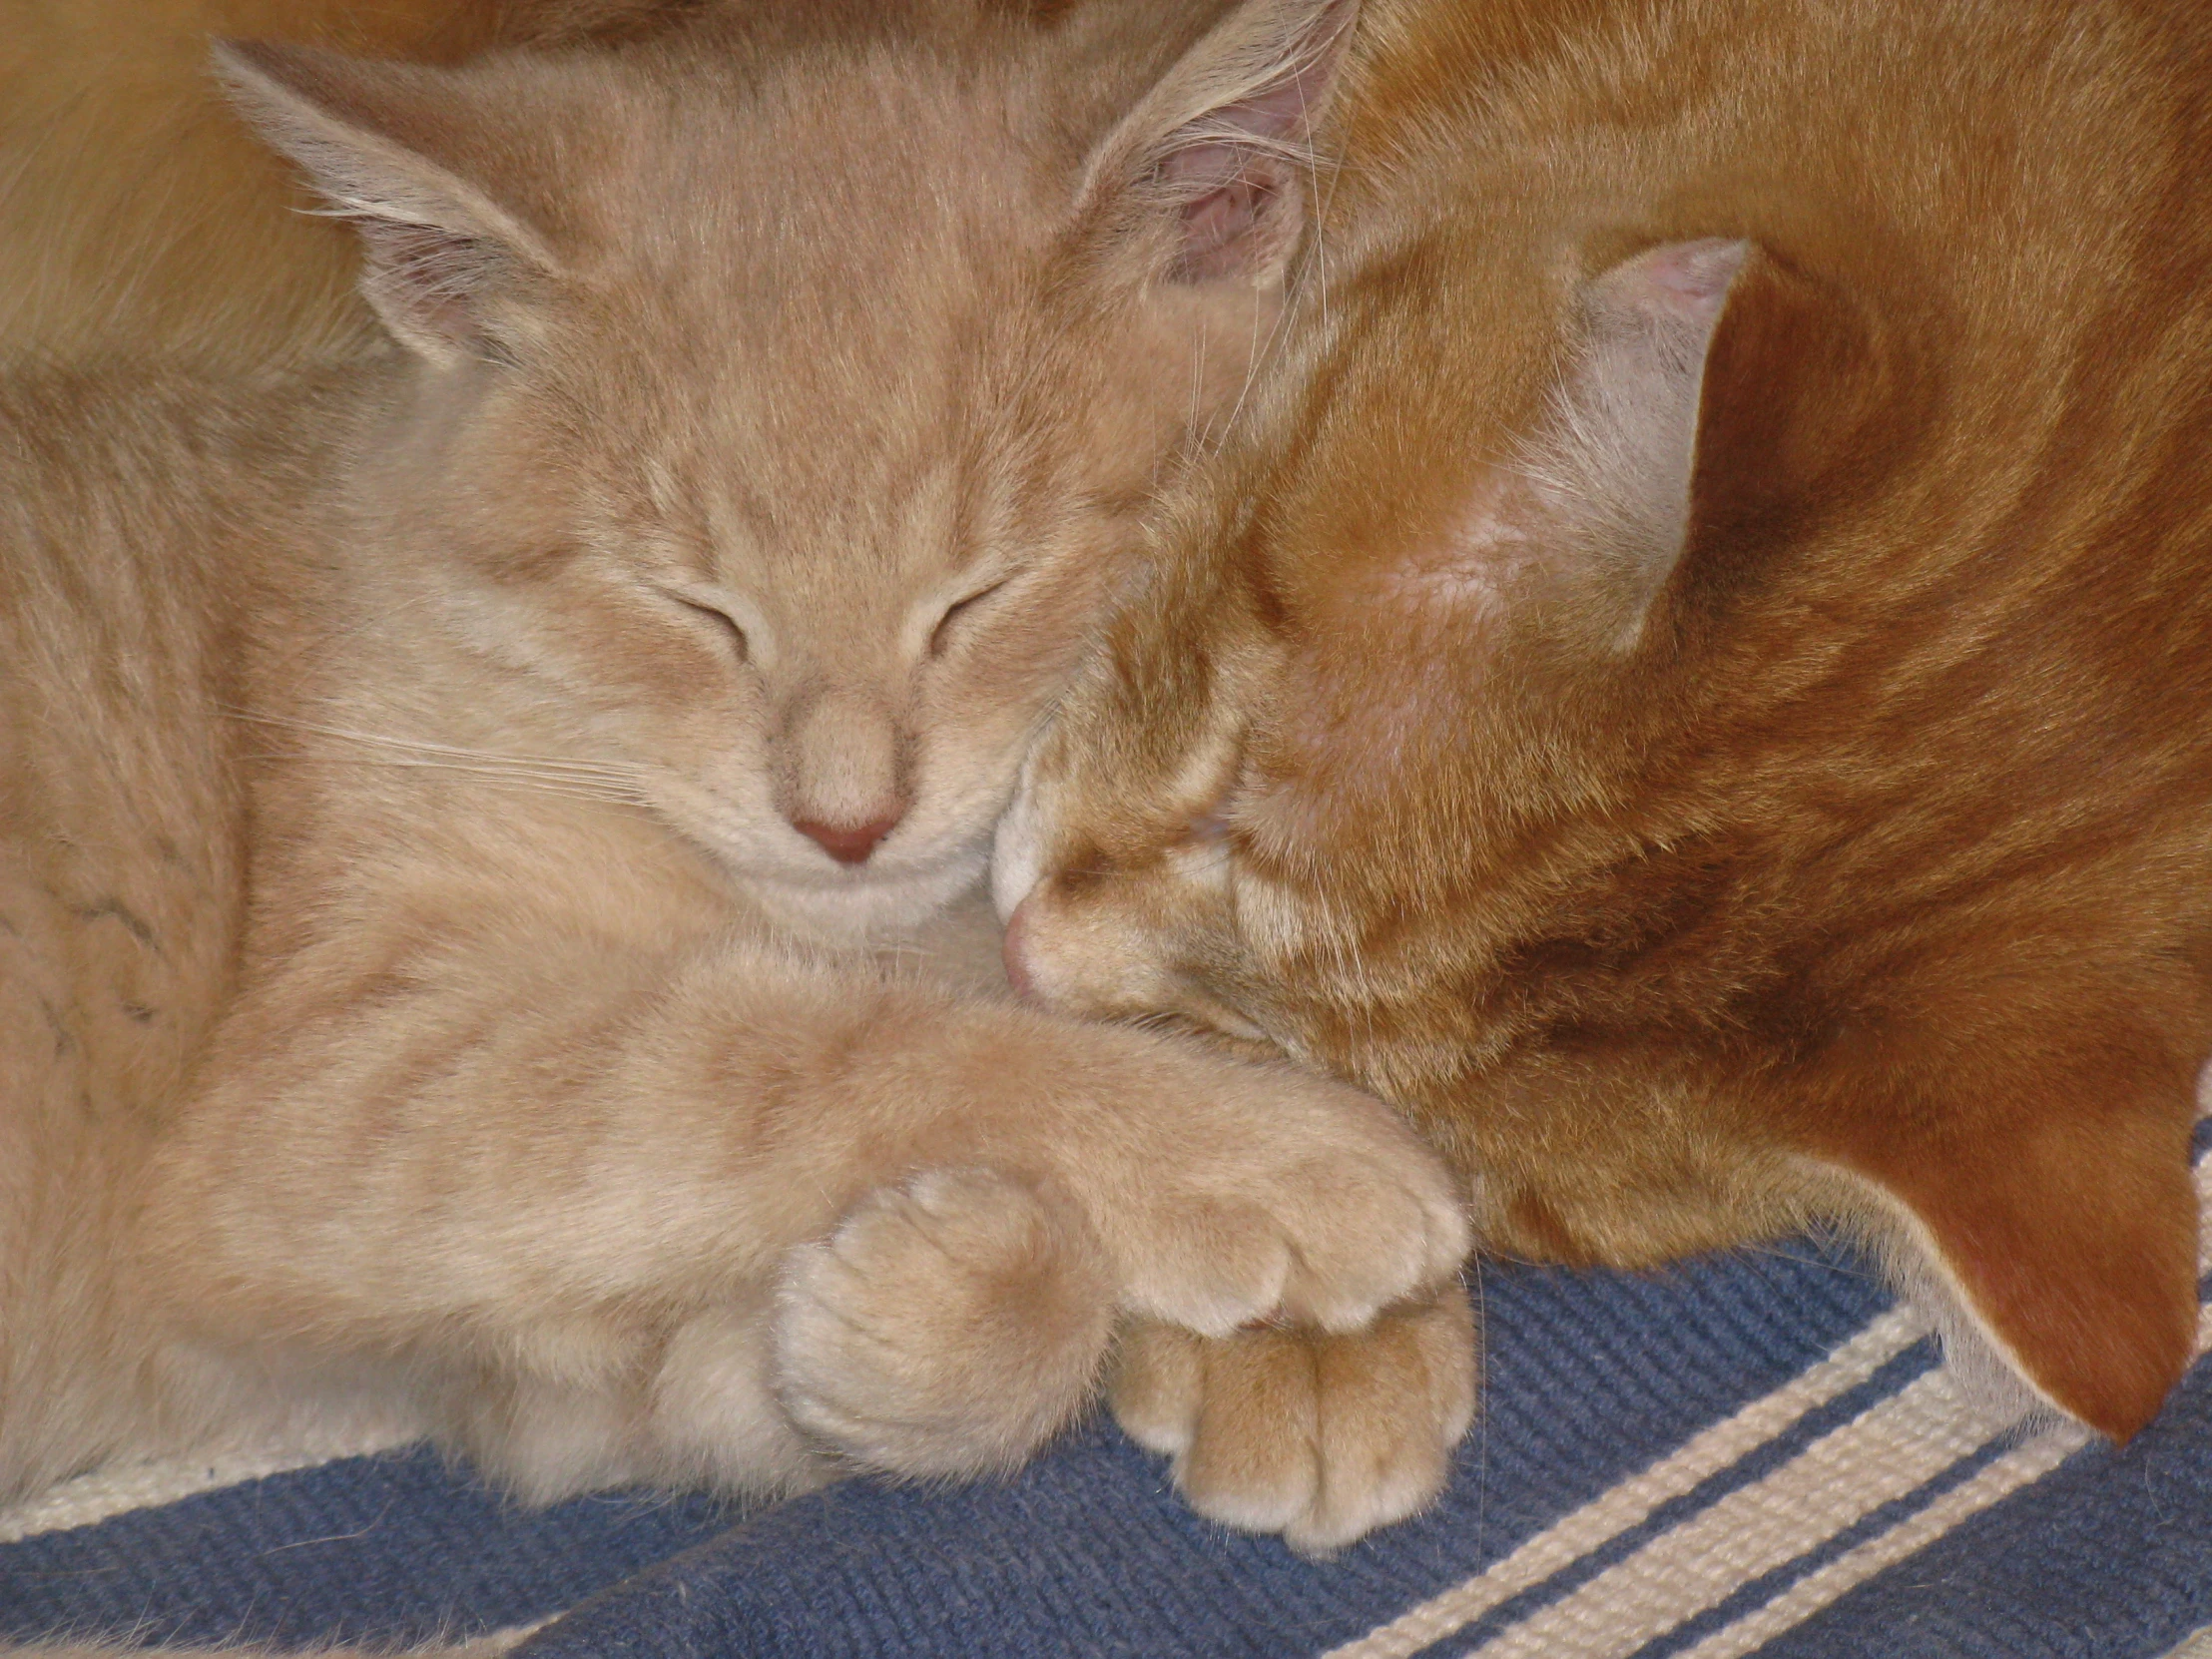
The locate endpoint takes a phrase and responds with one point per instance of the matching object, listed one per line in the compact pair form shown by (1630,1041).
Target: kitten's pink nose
(847,844)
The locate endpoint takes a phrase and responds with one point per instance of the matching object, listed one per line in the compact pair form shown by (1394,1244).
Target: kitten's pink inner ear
(1224,143)
(1669,299)
(1689,278)
(1596,502)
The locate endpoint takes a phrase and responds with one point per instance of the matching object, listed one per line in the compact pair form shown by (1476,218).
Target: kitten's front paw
(1295,1199)
(1320,1438)
(948,1326)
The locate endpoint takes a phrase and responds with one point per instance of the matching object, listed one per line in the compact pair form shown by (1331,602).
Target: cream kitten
(451,811)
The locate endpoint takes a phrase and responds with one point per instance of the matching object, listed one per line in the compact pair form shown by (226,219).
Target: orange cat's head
(1363,673)
(774,416)
(1691,680)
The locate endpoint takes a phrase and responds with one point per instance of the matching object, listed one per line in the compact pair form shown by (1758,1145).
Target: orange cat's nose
(847,844)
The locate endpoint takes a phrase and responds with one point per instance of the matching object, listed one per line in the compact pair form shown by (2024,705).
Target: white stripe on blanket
(1883,1454)
(1632,1501)
(2026,1464)
(2016,1469)
(122,1487)
(1887,1453)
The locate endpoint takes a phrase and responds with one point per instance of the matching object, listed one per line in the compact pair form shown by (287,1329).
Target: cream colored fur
(417,997)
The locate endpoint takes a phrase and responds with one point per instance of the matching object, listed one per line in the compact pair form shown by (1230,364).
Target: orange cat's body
(1697,682)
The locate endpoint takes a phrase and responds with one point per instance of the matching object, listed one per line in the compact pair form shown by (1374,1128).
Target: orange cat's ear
(2068,1235)
(1205,176)
(1602,490)
(437,245)
(1586,517)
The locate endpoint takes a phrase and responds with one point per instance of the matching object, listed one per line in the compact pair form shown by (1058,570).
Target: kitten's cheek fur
(1017,855)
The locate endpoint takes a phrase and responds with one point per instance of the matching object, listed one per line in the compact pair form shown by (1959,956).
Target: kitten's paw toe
(1372,1233)
(1325,1223)
(948,1326)
(1318,1437)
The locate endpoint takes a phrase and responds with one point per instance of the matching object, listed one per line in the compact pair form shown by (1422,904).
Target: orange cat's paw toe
(1320,1437)
(948,1326)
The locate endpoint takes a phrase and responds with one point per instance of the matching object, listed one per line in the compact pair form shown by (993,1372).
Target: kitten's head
(778,416)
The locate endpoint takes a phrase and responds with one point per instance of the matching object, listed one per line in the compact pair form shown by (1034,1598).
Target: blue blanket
(1757,1453)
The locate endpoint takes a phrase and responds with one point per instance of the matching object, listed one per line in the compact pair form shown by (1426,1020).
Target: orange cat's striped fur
(1696,678)
(483,829)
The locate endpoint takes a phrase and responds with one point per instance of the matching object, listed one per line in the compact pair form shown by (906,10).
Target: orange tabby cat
(475,824)
(1696,680)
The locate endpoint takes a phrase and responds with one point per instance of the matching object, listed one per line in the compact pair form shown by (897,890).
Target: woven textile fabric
(1755,1454)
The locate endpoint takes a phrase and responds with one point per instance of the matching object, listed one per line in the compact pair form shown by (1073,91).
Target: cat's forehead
(830,189)
(814,285)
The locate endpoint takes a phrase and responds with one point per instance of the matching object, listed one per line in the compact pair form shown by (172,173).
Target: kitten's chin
(866,906)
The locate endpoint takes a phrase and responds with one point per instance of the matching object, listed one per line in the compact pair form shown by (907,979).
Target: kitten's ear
(368,133)
(1204,177)
(2065,1232)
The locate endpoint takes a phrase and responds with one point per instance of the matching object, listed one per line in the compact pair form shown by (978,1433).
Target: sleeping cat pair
(488,828)
(1686,674)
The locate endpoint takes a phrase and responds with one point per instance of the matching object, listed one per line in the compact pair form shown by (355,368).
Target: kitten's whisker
(566,790)
(1263,353)
(613,772)
(556,791)
(1321,207)
(573,788)
(579,788)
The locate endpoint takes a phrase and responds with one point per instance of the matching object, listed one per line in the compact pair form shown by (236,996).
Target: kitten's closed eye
(739,639)
(942,635)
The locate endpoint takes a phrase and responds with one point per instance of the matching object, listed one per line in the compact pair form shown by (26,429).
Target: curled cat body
(1694,676)
(486,827)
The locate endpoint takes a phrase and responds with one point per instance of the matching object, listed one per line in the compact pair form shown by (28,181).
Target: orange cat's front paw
(1320,1437)
(948,1326)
